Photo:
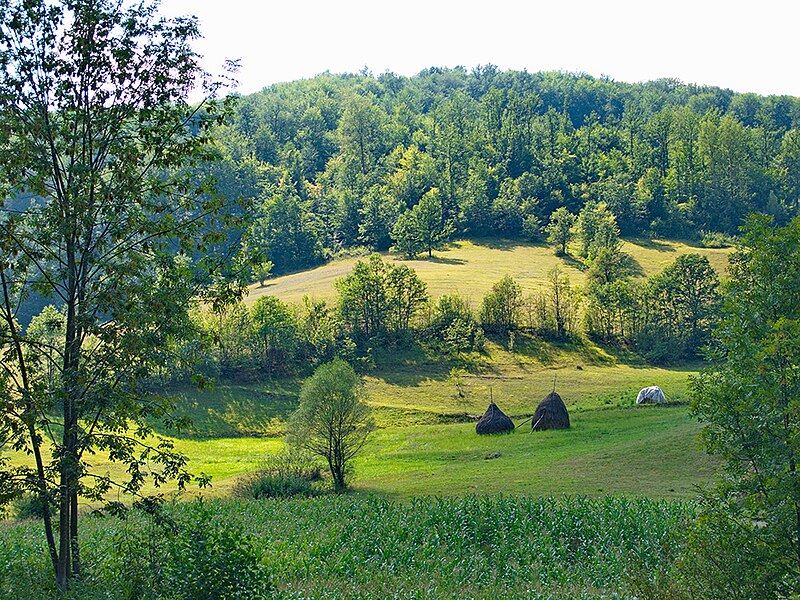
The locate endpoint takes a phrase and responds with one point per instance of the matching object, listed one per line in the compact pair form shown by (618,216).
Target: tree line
(385,161)
(667,317)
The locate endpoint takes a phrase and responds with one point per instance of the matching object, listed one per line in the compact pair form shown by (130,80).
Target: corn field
(366,547)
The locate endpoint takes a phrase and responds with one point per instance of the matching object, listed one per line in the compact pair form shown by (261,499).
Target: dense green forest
(339,161)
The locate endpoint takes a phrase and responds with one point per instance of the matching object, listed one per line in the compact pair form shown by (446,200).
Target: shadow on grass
(410,365)
(505,244)
(442,261)
(573,262)
(228,409)
(630,265)
(530,346)
(652,244)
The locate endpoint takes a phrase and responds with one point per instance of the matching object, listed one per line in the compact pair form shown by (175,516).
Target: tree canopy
(103,215)
(332,420)
(749,398)
(506,148)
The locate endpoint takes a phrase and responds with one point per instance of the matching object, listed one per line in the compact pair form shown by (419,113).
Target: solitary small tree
(500,308)
(332,420)
(559,229)
(423,227)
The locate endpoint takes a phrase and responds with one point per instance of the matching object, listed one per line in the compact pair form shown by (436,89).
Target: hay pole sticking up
(494,420)
(551,414)
(525,421)
(533,427)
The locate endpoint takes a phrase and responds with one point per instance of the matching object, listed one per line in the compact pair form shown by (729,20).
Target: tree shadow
(409,366)
(443,261)
(231,409)
(505,244)
(573,262)
(630,265)
(652,244)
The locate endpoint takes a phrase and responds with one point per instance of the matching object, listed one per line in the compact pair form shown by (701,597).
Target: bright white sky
(746,46)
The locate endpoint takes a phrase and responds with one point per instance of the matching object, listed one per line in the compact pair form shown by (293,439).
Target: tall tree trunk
(41,480)
(73,533)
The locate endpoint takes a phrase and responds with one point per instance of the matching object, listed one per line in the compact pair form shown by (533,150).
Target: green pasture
(426,442)
(415,385)
(634,451)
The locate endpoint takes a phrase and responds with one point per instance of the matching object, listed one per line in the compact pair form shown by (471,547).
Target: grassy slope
(585,376)
(416,451)
(649,451)
(471,267)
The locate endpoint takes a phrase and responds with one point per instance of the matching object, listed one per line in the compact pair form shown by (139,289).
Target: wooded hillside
(338,160)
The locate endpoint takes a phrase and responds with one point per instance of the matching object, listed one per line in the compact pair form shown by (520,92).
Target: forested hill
(336,160)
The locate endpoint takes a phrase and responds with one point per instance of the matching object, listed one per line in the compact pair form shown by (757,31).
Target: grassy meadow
(469,268)
(434,509)
(426,444)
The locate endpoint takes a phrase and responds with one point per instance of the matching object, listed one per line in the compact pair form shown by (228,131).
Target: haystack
(494,420)
(651,395)
(550,414)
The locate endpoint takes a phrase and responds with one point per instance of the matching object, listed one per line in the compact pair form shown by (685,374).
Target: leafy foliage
(500,308)
(378,298)
(106,212)
(332,421)
(353,545)
(749,396)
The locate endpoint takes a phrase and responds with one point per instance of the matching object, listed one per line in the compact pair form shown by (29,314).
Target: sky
(744,46)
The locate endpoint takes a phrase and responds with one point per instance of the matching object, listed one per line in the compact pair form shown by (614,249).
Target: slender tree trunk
(8,317)
(69,559)
(73,533)
(42,481)
(63,564)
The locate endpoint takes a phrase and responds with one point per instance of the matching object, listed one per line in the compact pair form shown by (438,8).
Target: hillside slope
(469,268)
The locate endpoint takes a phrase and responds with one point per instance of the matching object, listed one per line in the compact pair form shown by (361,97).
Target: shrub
(265,484)
(290,473)
(452,328)
(716,239)
(30,506)
(729,557)
(211,557)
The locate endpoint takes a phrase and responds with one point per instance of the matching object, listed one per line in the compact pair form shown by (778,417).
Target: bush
(659,348)
(265,484)
(291,473)
(728,557)
(186,551)
(451,327)
(716,239)
(211,557)
(29,506)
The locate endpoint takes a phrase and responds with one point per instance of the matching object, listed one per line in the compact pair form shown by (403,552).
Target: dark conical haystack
(494,420)
(550,414)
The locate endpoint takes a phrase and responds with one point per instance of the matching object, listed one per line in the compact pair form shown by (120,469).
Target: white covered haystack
(651,395)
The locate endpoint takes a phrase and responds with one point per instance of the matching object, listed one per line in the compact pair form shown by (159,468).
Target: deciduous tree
(500,308)
(103,217)
(559,230)
(332,421)
(749,398)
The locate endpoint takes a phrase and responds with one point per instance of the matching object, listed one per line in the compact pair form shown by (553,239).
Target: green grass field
(426,443)
(643,451)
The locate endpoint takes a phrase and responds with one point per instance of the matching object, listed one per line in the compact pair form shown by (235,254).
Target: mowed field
(469,268)
(426,442)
